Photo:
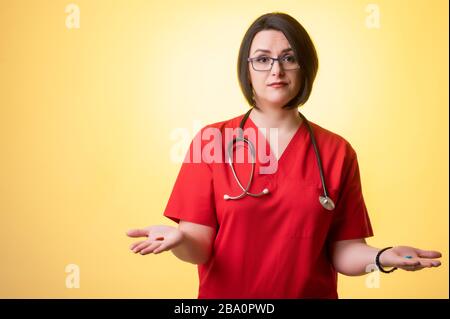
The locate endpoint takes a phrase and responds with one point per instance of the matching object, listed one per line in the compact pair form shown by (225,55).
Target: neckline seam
(288,147)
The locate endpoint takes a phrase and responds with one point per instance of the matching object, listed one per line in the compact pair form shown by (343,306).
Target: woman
(273,238)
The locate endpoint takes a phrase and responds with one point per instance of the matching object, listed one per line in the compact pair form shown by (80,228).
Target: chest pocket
(309,219)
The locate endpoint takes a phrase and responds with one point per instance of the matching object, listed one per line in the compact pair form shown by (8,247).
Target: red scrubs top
(274,246)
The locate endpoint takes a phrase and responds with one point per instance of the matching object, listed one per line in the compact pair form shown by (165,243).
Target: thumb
(137,233)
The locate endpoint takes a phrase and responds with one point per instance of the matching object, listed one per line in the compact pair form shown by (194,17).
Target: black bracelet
(377,262)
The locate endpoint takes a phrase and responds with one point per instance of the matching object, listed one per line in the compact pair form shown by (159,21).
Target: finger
(150,248)
(137,232)
(430,263)
(436,263)
(400,262)
(164,246)
(422,263)
(412,268)
(428,253)
(135,244)
(141,246)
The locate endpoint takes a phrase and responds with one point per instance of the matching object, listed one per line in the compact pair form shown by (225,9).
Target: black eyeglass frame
(273,62)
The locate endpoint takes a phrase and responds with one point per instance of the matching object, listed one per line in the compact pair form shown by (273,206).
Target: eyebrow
(268,51)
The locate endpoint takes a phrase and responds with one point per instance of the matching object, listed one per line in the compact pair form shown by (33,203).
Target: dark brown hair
(301,44)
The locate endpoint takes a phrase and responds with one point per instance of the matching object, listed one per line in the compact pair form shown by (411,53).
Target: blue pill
(409,257)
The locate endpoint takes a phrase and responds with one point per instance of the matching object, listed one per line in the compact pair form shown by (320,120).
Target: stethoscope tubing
(325,200)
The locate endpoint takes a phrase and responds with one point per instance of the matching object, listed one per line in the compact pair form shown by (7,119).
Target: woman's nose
(277,68)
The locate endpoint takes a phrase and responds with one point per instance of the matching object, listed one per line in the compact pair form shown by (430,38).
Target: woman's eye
(289,58)
(262,59)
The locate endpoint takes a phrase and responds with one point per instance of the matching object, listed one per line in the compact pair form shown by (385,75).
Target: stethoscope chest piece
(326,202)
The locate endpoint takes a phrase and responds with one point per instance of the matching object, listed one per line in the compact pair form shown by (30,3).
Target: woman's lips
(278,85)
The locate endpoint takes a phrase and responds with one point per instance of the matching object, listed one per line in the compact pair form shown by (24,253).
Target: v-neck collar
(290,145)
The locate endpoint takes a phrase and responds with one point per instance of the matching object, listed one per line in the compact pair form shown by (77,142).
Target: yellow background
(87,116)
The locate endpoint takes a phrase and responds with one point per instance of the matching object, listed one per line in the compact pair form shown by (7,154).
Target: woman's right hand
(159,238)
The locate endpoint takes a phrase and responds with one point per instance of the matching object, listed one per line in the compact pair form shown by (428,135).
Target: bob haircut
(301,44)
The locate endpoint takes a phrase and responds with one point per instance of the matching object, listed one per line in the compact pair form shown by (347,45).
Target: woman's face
(266,95)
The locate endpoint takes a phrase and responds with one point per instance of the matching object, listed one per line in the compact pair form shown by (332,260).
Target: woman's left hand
(409,258)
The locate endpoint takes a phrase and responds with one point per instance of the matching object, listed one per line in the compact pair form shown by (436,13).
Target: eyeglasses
(265,63)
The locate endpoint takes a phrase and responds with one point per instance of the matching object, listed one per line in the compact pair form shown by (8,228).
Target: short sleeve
(351,220)
(192,196)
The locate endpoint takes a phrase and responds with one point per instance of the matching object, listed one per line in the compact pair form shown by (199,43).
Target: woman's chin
(277,102)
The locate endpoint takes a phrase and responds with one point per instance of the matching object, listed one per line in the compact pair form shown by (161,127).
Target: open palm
(409,258)
(159,238)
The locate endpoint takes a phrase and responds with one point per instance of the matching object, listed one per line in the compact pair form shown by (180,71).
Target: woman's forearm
(193,249)
(354,258)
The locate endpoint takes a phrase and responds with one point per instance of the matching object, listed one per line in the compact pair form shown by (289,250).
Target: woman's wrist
(379,261)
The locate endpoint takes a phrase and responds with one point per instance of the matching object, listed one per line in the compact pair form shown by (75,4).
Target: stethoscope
(325,201)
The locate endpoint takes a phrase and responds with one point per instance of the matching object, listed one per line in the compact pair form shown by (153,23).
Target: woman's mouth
(278,85)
